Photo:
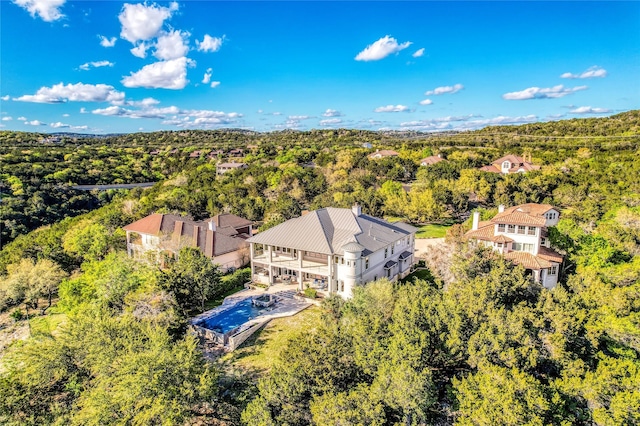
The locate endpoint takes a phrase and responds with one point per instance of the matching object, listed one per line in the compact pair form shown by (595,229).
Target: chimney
(476,221)
(356,209)
(196,234)
(500,208)
(209,244)
(212,225)
(439,155)
(177,231)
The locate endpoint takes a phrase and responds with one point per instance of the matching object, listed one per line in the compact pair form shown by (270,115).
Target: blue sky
(110,66)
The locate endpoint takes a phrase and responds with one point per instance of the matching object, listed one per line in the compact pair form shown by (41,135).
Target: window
(366,263)
(499,245)
(523,247)
(543,241)
(388,272)
(341,285)
(521,229)
(511,229)
(501,227)
(506,165)
(335,259)
(342,260)
(386,252)
(531,230)
(553,270)
(392,249)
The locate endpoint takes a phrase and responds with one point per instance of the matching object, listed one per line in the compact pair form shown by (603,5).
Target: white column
(330,277)
(300,286)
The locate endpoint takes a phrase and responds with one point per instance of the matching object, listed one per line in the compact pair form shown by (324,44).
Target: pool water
(231,318)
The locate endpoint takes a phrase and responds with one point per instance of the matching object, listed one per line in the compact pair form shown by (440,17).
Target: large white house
(332,249)
(520,234)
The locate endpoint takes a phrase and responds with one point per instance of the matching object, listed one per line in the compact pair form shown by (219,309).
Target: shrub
(311,293)
(17,315)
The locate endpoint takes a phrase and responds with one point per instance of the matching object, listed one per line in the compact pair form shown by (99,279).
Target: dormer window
(506,165)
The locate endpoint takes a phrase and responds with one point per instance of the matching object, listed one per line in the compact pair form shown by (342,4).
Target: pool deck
(285,306)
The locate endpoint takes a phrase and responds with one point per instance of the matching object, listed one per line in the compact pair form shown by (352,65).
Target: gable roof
(527,260)
(431,160)
(524,214)
(517,163)
(223,220)
(179,231)
(328,230)
(383,153)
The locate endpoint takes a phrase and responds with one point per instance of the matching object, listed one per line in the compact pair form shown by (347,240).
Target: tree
(192,279)
(496,395)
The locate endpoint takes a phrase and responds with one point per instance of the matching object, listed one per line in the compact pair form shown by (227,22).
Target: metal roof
(327,230)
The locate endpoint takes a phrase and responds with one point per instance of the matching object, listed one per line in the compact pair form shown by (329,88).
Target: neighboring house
(520,234)
(382,153)
(225,167)
(237,152)
(195,154)
(510,164)
(429,161)
(367,145)
(221,238)
(215,153)
(333,249)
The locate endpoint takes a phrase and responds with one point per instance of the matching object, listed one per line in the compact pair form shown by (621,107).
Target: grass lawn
(421,274)
(258,353)
(432,231)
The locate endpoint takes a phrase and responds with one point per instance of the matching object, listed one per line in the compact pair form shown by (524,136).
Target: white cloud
(330,122)
(160,75)
(78,92)
(593,72)
(143,22)
(207,76)
(589,110)
(98,64)
(5,98)
(299,117)
(145,103)
(381,49)
(465,122)
(34,123)
(175,116)
(107,42)
(392,108)
(444,89)
(543,93)
(172,45)
(47,10)
(332,113)
(209,44)
(140,50)
(65,115)
(215,84)
(7,118)
(426,102)
(22,118)
(142,113)
(59,125)
(418,53)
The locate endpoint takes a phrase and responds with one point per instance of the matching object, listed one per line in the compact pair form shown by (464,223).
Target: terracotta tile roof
(527,260)
(383,153)
(549,254)
(491,168)
(502,239)
(484,232)
(431,160)
(515,161)
(524,214)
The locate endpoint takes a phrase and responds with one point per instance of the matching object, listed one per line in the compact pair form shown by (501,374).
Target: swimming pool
(227,320)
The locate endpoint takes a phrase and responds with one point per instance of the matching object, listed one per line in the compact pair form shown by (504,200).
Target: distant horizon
(114,67)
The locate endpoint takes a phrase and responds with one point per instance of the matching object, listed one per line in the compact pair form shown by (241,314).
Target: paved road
(113,186)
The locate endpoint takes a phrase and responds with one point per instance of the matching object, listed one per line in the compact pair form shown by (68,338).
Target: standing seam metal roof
(327,230)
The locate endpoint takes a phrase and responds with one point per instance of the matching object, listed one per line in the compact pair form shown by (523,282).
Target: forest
(104,339)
